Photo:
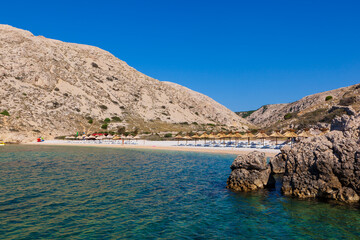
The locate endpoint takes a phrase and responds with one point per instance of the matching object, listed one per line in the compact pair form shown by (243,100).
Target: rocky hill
(53,88)
(308,111)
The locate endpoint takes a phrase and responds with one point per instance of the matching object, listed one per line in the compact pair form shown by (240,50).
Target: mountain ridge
(53,88)
(315,106)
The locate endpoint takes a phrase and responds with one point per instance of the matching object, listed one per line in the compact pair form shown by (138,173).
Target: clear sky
(243,54)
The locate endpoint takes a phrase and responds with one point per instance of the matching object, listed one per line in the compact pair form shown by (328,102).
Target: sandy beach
(160,145)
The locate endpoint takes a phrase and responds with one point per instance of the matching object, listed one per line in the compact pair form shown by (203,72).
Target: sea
(68,192)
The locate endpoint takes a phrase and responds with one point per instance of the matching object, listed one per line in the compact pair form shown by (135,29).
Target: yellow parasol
(187,138)
(195,137)
(248,135)
(262,135)
(178,137)
(276,135)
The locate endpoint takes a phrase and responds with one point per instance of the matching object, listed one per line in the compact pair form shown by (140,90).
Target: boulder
(250,172)
(327,166)
(277,164)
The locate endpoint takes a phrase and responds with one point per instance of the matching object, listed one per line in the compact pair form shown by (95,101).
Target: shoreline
(154,146)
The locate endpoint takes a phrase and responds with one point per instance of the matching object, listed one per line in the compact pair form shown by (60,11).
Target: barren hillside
(310,110)
(52,88)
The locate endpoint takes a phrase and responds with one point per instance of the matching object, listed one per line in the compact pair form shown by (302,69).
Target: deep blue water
(99,193)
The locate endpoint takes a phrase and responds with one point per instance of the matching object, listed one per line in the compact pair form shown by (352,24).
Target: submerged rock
(327,166)
(250,172)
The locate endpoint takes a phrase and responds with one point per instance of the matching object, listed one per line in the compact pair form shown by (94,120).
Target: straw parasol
(195,137)
(221,136)
(186,139)
(276,135)
(211,136)
(204,136)
(290,134)
(116,138)
(237,136)
(248,135)
(262,135)
(305,134)
(178,137)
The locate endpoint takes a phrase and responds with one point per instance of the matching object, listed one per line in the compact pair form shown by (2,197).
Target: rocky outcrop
(327,166)
(250,172)
(325,104)
(348,109)
(277,164)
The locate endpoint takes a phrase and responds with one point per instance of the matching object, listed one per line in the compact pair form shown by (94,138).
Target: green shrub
(6,113)
(348,101)
(116,119)
(328,98)
(246,114)
(60,137)
(90,121)
(107,120)
(288,116)
(168,135)
(103,107)
(104,126)
(121,130)
(265,107)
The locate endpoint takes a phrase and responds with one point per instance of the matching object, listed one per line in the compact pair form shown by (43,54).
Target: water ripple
(91,193)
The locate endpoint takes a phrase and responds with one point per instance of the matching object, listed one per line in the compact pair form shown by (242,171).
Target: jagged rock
(277,164)
(327,166)
(250,172)
(273,114)
(348,109)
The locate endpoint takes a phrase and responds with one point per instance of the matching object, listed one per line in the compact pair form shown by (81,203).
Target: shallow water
(100,193)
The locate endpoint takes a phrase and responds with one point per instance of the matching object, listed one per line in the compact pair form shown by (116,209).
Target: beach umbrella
(229,135)
(186,139)
(109,136)
(222,136)
(195,137)
(305,134)
(212,136)
(290,134)
(237,136)
(137,137)
(248,135)
(204,136)
(276,135)
(262,135)
(178,137)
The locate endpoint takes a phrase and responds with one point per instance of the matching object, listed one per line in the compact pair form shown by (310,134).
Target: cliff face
(51,87)
(327,166)
(317,107)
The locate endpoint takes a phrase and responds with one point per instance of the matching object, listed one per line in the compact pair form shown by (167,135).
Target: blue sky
(243,54)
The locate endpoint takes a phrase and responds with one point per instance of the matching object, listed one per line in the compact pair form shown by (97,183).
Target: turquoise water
(93,193)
